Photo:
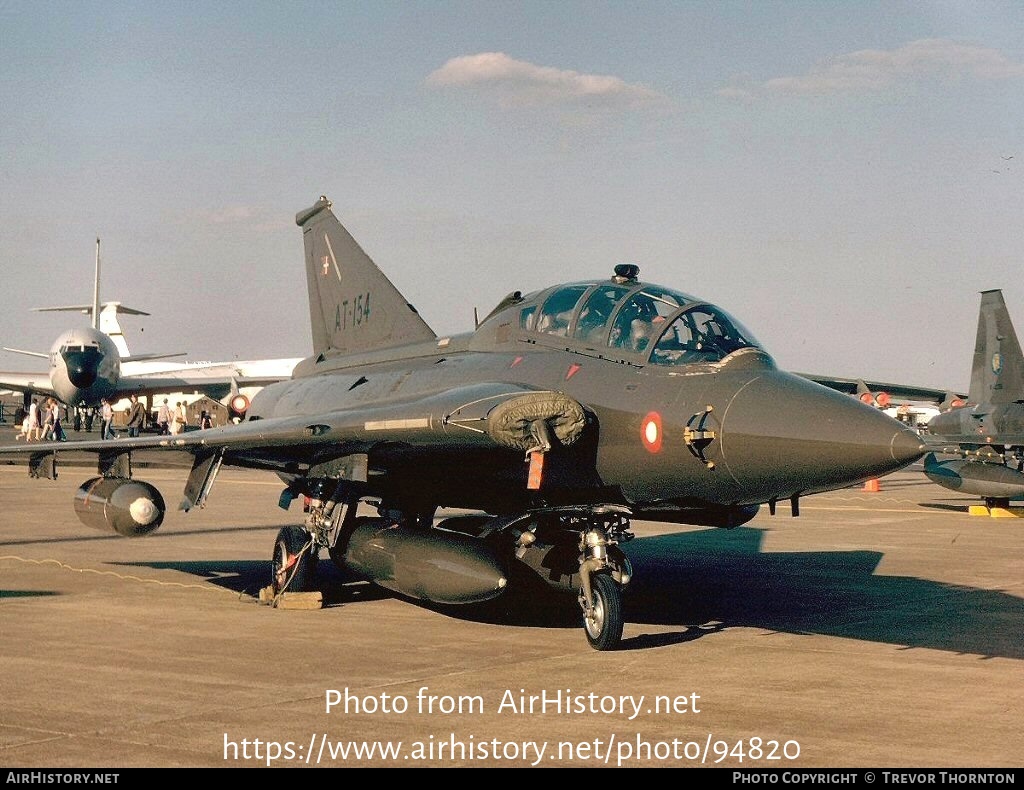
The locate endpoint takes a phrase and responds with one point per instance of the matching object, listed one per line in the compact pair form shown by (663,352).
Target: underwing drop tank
(992,481)
(115,504)
(424,564)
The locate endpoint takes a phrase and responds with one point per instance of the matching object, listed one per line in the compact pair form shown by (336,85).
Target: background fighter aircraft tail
(988,432)
(353,307)
(997,374)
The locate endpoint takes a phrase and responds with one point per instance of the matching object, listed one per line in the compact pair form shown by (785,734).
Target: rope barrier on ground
(122,576)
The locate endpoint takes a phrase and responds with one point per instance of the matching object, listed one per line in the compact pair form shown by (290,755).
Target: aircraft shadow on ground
(710,580)
(947,506)
(247,577)
(723,577)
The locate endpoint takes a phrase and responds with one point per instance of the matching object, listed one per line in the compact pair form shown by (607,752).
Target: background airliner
(92,363)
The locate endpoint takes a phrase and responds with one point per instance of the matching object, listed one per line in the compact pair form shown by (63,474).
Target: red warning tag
(536,470)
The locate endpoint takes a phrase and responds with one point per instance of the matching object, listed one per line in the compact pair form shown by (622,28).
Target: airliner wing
(217,381)
(27,353)
(25,382)
(148,357)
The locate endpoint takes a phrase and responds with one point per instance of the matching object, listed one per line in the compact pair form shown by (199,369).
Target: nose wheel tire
(603,625)
(293,567)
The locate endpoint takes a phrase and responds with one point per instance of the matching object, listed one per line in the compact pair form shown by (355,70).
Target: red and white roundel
(650,432)
(240,403)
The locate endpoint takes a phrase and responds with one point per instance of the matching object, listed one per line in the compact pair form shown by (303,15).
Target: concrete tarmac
(877,630)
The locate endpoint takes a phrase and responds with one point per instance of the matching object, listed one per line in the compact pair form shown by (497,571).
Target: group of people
(171,421)
(135,423)
(42,422)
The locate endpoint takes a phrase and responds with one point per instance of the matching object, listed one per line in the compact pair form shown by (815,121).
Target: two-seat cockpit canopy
(657,324)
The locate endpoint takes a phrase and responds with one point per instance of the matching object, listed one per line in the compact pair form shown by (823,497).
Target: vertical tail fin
(997,374)
(353,307)
(109,325)
(96,290)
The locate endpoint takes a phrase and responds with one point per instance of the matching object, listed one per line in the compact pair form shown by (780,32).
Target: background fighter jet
(988,431)
(89,364)
(566,413)
(885,395)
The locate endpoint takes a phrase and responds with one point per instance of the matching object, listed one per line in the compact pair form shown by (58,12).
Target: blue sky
(836,175)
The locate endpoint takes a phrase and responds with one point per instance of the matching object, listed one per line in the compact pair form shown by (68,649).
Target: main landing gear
(466,559)
(294,563)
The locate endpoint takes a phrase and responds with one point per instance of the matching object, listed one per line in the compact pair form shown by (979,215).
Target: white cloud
(735,92)
(875,69)
(512,81)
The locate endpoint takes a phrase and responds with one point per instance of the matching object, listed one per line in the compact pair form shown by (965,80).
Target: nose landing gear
(604,571)
(602,619)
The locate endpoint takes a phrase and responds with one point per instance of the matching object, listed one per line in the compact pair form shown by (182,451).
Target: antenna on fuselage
(626,273)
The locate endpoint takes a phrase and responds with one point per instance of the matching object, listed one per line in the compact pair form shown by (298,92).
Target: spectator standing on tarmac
(106,420)
(45,414)
(180,417)
(26,428)
(136,417)
(163,418)
(52,428)
(35,422)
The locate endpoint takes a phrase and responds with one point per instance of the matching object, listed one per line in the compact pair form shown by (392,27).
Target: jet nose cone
(783,435)
(83,366)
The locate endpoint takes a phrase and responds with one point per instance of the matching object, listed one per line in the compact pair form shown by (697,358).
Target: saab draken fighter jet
(568,412)
(988,431)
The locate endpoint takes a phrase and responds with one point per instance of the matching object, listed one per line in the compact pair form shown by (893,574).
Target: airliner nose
(83,366)
(809,438)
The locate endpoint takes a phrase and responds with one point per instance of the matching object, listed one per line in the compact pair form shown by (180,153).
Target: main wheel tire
(293,568)
(604,627)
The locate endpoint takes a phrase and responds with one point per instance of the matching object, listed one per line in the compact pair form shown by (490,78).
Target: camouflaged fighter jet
(568,412)
(987,431)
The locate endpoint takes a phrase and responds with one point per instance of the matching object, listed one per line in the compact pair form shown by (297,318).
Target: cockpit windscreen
(702,333)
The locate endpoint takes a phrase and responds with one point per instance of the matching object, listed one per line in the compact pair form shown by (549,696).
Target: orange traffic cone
(872,485)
